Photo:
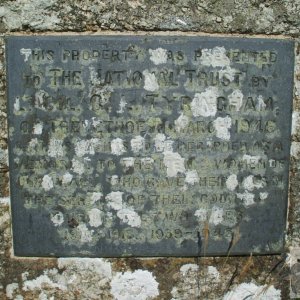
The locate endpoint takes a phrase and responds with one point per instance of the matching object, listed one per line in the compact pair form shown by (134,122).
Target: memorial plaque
(149,145)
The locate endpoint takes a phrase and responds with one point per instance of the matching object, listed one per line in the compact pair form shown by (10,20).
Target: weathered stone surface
(251,17)
(238,274)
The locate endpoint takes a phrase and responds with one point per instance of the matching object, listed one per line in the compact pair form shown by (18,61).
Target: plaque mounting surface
(148,145)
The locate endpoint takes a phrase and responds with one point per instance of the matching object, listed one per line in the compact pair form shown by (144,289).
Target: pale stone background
(265,277)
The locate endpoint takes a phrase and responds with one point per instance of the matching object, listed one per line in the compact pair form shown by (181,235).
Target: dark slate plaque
(149,145)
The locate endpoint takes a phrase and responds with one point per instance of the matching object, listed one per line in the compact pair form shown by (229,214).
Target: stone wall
(259,277)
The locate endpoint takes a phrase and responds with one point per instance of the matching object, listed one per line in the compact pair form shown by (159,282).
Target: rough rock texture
(266,277)
(233,16)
